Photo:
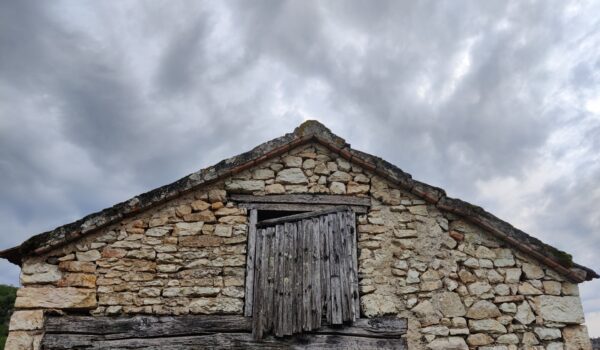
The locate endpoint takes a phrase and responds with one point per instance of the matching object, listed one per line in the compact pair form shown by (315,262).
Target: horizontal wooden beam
(303,199)
(359,209)
(210,331)
(301,216)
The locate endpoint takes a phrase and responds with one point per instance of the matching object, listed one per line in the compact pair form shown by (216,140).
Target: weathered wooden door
(305,270)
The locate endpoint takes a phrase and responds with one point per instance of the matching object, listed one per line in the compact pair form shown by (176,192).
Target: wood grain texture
(306,271)
(303,199)
(210,331)
(250,260)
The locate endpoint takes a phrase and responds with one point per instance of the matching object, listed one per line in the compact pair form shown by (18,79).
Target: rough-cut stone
(483,309)
(274,189)
(512,275)
(339,176)
(337,188)
(200,205)
(79,266)
(544,333)
(524,313)
(245,186)
(560,309)
(292,161)
(56,298)
(263,174)
(159,231)
(508,339)
(426,313)
(51,274)
(552,287)
(532,271)
(489,326)
(479,288)
(479,339)
(291,176)
(527,289)
(377,304)
(25,320)
(188,228)
(85,280)
(90,255)
(449,304)
(200,241)
(221,305)
(576,338)
(450,343)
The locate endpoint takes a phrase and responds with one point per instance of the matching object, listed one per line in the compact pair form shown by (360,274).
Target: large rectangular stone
(560,309)
(56,298)
(26,320)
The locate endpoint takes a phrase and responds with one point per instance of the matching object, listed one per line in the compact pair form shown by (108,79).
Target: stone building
(300,242)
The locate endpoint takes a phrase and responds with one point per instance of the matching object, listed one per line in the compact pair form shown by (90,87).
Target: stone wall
(458,286)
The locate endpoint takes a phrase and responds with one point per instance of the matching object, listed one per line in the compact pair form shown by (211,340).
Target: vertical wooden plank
(334,267)
(306,281)
(250,260)
(316,274)
(287,301)
(271,280)
(259,285)
(277,281)
(299,277)
(343,265)
(354,271)
(325,273)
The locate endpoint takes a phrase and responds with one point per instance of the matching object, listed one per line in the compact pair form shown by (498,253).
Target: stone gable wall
(459,287)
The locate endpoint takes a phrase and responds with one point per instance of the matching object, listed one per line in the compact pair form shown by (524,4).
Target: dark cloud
(489,100)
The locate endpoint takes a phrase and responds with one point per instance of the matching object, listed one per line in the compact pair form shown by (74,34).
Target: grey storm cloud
(497,102)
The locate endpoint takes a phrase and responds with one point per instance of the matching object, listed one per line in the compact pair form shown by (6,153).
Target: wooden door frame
(285,202)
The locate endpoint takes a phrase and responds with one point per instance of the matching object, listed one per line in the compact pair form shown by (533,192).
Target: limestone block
(544,333)
(26,320)
(337,188)
(450,343)
(292,161)
(524,313)
(274,189)
(46,274)
(90,255)
(263,174)
(56,298)
(487,325)
(159,231)
(560,309)
(576,338)
(291,176)
(200,241)
(377,304)
(479,339)
(85,280)
(449,304)
(483,309)
(532,271)
(245,186)
(220,305)
(339,176)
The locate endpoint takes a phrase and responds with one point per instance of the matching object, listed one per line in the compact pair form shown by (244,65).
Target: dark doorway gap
(273,214)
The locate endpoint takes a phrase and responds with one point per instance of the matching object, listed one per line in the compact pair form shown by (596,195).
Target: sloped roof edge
(308,131)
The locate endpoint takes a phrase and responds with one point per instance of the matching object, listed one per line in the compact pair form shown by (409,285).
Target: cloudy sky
(497,102)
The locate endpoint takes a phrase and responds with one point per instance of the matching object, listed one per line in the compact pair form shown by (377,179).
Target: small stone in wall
(245,186)
(291,176)
(292,161)
(337,188)
(532,271)
(274,189)
(26,320)
(90,255)
(483,309)
(488,326)
(217,195)
(576,338)
(263,174)
(524,313)
(450,343)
